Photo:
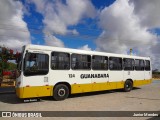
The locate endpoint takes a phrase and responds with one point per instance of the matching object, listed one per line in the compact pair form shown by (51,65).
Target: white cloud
(53,41)
(148,12)
(123,29)
(59,15)
(14,32)
(85,47)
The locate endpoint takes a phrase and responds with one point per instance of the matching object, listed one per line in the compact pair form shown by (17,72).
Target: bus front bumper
(34,91)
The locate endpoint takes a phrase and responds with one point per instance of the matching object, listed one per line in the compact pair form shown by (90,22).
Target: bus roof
(78,51)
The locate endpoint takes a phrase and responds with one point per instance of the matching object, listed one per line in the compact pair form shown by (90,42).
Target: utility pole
(130,51)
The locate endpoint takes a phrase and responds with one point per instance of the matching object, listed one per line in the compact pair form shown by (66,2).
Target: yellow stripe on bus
(34,91)
(41,91)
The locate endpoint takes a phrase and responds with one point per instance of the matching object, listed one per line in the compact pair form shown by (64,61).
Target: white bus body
(41,77)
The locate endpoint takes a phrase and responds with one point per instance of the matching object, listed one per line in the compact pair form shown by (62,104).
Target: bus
(59,72)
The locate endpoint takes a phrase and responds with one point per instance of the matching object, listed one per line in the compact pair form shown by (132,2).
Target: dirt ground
(144,98)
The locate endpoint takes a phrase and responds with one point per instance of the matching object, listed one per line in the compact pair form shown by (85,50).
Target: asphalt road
(144,98)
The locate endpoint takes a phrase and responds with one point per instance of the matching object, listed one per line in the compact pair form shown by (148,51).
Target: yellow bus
(58,72)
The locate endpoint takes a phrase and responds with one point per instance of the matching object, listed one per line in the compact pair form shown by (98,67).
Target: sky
(113,26)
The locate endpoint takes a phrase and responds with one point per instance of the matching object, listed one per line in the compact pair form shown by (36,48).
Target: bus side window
(60,61)
(128,64)
(36,64)
(115,63)
(79,61)
(147,65)
(139,65)
(99,62)
(142,66)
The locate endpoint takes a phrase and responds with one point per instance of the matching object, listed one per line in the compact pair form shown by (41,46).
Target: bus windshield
(36,64)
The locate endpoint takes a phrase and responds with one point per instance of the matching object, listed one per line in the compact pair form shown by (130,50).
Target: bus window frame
(149,65)
(100,69)
(25,63)
(133,60)
(87,62)
(69,60)
(139,65)
(115,69)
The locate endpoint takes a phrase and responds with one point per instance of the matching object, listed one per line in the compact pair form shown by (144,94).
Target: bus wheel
(60,92)
(128,86)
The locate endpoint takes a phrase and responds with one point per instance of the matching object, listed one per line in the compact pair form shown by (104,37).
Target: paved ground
(4,90)
(144,98)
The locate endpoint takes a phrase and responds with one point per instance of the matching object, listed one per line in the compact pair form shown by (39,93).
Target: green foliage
(5,55)
(11,66)
(156,72)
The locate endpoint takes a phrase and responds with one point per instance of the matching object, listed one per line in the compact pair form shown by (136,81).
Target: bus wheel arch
(128,85)
(61,91)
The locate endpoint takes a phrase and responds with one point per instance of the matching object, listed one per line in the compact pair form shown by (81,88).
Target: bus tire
(60,92)
(128,86)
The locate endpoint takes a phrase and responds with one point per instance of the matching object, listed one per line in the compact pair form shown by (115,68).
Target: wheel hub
(61,92)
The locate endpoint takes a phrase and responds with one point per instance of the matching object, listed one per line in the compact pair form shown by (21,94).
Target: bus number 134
(71,75)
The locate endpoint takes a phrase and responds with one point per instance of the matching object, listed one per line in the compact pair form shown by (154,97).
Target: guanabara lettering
(82,76)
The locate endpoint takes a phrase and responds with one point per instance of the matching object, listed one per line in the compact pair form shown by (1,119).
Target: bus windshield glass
(36,64)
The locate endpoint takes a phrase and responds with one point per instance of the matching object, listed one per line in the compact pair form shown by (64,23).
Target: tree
(5,55)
